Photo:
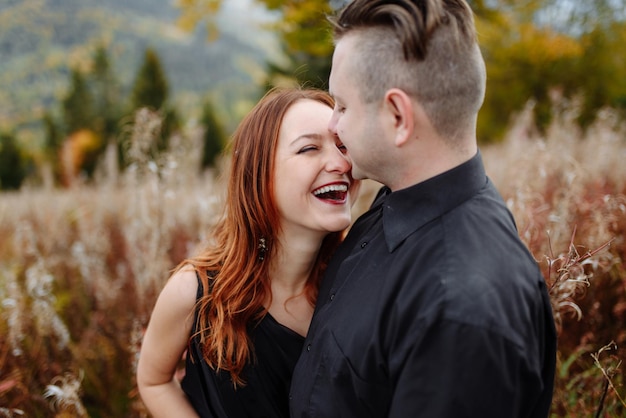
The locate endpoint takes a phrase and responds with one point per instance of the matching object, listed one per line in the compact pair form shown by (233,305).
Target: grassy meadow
(80,267)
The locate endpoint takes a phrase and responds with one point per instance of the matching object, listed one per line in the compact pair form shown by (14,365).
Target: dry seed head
(64,394)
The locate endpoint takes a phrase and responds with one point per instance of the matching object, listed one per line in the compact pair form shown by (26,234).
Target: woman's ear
(400,106)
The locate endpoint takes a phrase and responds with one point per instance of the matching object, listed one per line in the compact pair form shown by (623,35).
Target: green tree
(53,138)
(601,71)
(89,104)
(53,141)
(535,48)
(524,62)
(214,137)
(306,40)
(151,90)
(532,49)
(171,125)
(78,104)
(151,87)
(12,164)
(107,107)
(106,94)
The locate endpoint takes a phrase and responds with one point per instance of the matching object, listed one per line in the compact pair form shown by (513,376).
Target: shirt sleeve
(461,370)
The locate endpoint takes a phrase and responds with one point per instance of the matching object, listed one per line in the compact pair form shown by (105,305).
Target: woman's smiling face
(312,172)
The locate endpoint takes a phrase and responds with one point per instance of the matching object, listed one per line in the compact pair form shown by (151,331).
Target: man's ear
(400,106)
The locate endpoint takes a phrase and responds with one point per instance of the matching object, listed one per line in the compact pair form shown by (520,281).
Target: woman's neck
(293,263)
(289,273)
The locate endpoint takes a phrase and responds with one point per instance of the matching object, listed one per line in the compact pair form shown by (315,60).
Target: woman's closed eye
(307,148)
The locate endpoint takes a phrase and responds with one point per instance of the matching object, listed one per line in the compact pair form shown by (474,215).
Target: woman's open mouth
(336,193)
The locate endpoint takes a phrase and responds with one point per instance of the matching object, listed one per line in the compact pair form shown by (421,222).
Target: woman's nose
(338,162)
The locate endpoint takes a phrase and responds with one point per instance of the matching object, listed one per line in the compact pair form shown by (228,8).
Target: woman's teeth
(331,188)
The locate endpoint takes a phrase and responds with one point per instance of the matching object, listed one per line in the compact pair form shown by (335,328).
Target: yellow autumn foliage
(74,151)
(195,11)
(304,25)
(541,45)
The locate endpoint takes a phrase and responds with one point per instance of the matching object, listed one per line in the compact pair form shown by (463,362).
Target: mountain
(41,40)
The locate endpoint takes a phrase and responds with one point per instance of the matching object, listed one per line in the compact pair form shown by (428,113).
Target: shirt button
(364,244)
(308,347)
(332,296)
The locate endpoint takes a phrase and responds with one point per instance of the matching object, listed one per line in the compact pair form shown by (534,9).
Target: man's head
(424,49)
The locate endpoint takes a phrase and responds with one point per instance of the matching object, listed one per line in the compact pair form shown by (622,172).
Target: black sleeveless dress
(266,393)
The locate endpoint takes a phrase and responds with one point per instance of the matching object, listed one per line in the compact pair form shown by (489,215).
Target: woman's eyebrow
(315,136)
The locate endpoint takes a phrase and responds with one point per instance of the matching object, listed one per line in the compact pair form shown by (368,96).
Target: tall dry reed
(81,268)
(567,192)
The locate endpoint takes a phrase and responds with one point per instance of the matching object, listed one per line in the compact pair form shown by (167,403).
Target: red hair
(235,280)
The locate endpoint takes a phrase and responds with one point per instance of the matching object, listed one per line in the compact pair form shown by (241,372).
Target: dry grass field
(80,268)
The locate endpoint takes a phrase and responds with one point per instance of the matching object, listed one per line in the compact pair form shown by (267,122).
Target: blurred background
(114,118)
(72,72)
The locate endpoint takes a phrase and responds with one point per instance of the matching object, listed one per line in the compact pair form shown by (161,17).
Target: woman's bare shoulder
(182,287)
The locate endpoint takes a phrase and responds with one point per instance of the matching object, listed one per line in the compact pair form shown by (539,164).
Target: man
(432,307)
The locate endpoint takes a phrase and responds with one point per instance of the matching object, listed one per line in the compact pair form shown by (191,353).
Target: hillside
(40,40)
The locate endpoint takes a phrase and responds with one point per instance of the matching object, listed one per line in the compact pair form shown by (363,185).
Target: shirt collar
(407,210)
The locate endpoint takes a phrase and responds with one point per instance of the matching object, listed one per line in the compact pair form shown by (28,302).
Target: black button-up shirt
(432,307)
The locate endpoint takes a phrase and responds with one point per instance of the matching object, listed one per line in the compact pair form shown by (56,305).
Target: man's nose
(332,124)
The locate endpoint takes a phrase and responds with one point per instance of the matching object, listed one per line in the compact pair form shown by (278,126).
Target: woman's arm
(164,342)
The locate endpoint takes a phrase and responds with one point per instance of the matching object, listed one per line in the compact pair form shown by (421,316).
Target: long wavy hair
(234,277)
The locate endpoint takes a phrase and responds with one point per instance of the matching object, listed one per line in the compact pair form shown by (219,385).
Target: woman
(243,306)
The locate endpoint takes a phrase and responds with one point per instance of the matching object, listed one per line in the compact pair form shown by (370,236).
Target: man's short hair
(427,48)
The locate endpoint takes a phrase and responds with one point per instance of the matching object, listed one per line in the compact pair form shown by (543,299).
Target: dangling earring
(262,249)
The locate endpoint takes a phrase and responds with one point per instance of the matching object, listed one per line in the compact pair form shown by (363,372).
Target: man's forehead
(342,55)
